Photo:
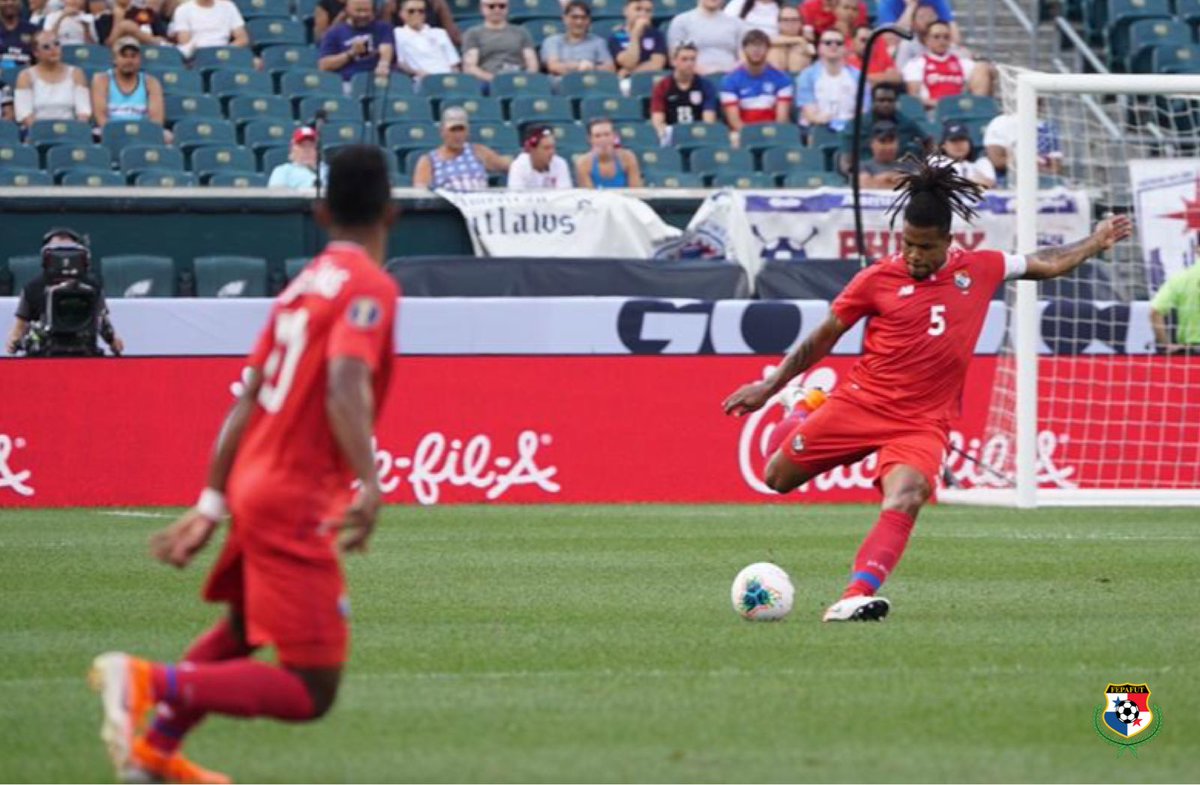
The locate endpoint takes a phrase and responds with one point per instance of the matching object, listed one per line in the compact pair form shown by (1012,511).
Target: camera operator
(66,281)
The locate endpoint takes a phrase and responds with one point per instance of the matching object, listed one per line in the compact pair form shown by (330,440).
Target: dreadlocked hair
(932,193)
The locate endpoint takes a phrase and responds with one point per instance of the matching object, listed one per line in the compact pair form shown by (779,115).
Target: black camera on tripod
(66,311)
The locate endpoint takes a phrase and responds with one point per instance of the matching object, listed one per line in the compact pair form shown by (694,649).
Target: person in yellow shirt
(1181,294)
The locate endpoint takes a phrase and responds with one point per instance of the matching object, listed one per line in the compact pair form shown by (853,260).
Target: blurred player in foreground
(292,444)
(926,306)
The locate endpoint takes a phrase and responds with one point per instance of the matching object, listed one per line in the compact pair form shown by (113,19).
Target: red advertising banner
(479,429)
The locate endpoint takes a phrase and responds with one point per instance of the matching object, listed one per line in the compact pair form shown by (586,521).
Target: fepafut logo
(1127,713)
(15,480)
(963,461)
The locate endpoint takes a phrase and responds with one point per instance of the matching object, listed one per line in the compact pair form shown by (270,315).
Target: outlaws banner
(138,431)
(752,227)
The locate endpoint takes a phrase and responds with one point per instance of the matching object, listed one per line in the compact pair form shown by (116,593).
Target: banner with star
(1166,200)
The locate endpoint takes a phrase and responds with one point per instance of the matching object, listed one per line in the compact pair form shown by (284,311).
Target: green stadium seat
(278,59)
(637,136)
(177,107)
(783,160)
(663,159)
(255,9)
(207,161)
(612,107)
(711,161)
(10,132)
(270,157)
(211,58)
(190,134)
(298,84)
(293,266)
(260,134)
(656,178)
(231,276)
(581,84)
(966,107)
(666,10)
(516,83)
(570,137)
(366,85)
(403,109)
(402,137)
(335,108)
(532,9)
(226,83)
(689,135)
(335,133)
(16,176)
(90,57)
(1175,59)
(540,109)
(18,156)
(75,156)
(124,133)
(44,134)
(450,84)
(237,179)
(501,137)
(743,180)
(541,29)
(24,268)
(910,106)
(91,178)
(813,179)
(156,58)
(763,135)
(606,8)
(1145,34)
(410,159)
(137,275)
(160,178)
(143,157)
(481,110)
(178,81)
(641,84)
(270,31)
(247,108)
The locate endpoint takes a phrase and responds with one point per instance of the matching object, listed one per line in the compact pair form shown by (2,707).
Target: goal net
(1098,410)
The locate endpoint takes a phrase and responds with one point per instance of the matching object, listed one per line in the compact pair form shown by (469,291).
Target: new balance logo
(907,290)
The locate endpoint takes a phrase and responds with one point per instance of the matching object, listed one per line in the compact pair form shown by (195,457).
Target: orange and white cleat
(127,695)
(148,764)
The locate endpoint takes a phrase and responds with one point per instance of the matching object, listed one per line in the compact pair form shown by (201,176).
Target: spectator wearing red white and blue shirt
(755,92)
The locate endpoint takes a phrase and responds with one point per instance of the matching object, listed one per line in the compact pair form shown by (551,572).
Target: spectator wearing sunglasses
(496,46)
(791,50)
(51,89)
(825,90)
(421,48)
(940,73)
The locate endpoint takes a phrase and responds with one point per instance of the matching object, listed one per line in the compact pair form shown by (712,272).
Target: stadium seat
(606,8)
(297,84)
(137,275)
(90,57)
(404,109)
(10,132)
(570,136)
(120,134)
(813,179)
(177,107)
(18,156)
(910,106)
(75,156)
(210,58)
(1145,34)
(540,109)
(410,159)
(271,31)
(637,136)
(238,180)
(254,9)
(366,85)
(260,134)
(481,110)
(156,58)
(711,161)
(338,133)
(541,29)
(663,159)
(207,161)
(666,10)
(966,107)
(178,81)
(16,176)
(780,161)
(517,83)
(612,107)
(226,83)
(1120,13)
(1175,59)
(763,135)
(402,137)
(247,108)
(270,157)
(159,178)
(281,58)
(293,266)
(24,268)
(656,178)
(44,134)
(334,107)
(91,178)
(827,140)
(532,9)
(582,84)
(743,180)
(231,276)
(140,158)
(190,134)
(450,84)
(641,84)
(691,135)
(501,137)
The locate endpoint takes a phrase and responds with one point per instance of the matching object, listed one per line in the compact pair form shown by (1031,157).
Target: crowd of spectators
(739,62)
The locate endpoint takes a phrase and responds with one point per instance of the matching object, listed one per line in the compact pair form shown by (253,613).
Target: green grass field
(598,644)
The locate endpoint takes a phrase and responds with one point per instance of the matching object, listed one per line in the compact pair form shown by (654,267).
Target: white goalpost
(1125,421)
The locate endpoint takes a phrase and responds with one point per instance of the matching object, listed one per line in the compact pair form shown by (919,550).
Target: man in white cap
(300,171)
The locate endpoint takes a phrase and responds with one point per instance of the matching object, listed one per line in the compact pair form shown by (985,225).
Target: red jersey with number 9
(920,334)
(340,305)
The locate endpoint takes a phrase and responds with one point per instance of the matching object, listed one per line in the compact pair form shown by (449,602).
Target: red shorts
(841,432)
(286,581)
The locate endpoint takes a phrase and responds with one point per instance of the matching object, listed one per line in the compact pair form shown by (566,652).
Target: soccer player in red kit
(925,308)
(294,441)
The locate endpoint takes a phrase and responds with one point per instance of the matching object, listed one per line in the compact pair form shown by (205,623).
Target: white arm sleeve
(23,103)
(1014,266)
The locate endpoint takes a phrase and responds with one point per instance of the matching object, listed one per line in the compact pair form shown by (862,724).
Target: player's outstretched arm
(350,404)
(1062,259)
(808,353)
(183,539)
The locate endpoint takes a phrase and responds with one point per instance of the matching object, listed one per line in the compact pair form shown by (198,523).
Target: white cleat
(860,608)
(110,677)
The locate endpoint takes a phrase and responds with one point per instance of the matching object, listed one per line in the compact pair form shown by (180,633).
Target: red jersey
(340,305)
(814,13)
(921,334)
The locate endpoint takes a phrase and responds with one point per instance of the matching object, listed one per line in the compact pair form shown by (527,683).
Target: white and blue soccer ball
(762,592)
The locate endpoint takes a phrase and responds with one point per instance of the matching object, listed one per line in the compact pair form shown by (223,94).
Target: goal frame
(1026,493)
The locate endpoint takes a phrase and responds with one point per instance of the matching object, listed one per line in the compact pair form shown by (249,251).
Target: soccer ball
(762,592)
(1127,712)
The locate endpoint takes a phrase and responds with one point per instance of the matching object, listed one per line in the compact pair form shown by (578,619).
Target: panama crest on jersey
(1128,709)
(962,279)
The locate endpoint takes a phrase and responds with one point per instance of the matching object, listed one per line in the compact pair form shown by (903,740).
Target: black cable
(857,149)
